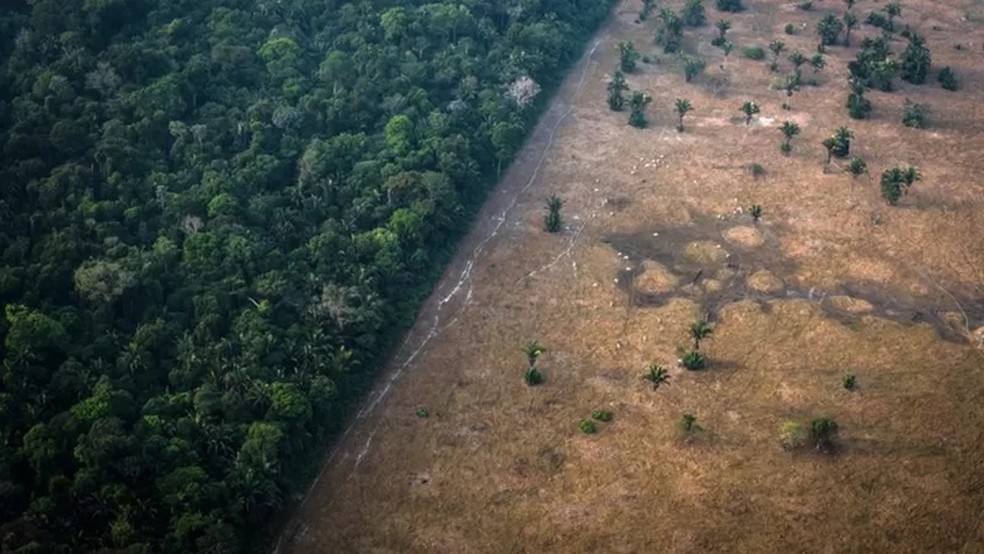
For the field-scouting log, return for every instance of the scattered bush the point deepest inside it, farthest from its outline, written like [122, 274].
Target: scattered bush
[829, 29]
[692, 66]
[914, 115]
[947, 78]
[756, 212]
[915, 61]
[689, 427]
[657, 375]
[842, 142]
[791, 435]
[552, 221]
[637, 103]
[616, 102]
[693, 360]
[422, 412]
[670, 33]
[730, 5]
[628, 56]
[532, 376]
[878, 19]
[756, 170]
[749, 108]
[857, 167]
[722, 26]
[895, 183]
[850, 381]
[756, 53]
[602, 415]
[858, 107]
[823, 430]
[587, 426]
[789, 29]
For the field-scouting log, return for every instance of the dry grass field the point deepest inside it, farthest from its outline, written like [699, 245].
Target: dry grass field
[831, 281]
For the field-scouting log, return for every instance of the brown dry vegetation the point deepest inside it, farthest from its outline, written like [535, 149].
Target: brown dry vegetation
[500, 467]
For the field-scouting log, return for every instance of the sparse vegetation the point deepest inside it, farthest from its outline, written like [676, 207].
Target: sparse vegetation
[683, 107]
[878, 19]
[647, 9]
[422, 411]
[915, 61]
[534, 349]
[693, 360]
[552, 221]
[637, 104]
[895, 183]
[749, 108]
[602, 415]
[756, 212]
[692, 66]
[532, 376]
[689, 427]
[656, 375]
[817, 62]
[789, 130]
[791, 435]
[789, 29]
[823, 430]
[914, 115]
[756, 53]
[776, 47]
[670, 32]
[842, 142]
[616, 102]
[700, 330]
[627, 56]
[756, 170]
[947, 79]
[587, 426]
[857, 167]
[850, 22]
[850, 381]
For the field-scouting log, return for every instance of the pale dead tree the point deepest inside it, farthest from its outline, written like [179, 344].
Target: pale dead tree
[336, 303]
[192, 224]
[103, 79]
[523, 90]
[102, 282]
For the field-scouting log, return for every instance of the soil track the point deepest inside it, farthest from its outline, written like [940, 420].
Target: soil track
[831, 281]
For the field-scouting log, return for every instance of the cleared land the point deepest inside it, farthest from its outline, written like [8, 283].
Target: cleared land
[831, 281]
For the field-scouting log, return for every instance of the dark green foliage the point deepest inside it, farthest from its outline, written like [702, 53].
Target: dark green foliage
[756, 212]
[895, 183]
[915, 61]
[587, 426]
[692, 66]
[534, 349]
[670, 32]
[647, 9]
[789, 29]
[857, 167]
[893, 10]
[628, 56]
[616, 102]
[756, 170]
[693, 360]
[722, 26]
[602, 415]
[749, 108]
[216, 219]
[733, 6]
[693, 13]
[683, 107]
[532, 376]
[700, 330]
[817, 62]
[850, 382]
[850, 22]
[637, 103]
[874, 67]
[823, 430]
[842, 142]
[756, 53]
[657, 375]
[422, 412]
[947, 78]
[689, 427]
[914, 115]
[776, 47]
[789, 130]
[858, 107]
[829, 29]
[552, 222]
[805, 6]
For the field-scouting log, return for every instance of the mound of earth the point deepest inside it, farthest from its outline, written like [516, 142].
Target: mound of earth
[765, 281]
[705, 251]
[743, 235]
[655, 279]
[850, 304]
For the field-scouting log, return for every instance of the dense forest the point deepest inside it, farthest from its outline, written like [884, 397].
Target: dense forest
[216, 217]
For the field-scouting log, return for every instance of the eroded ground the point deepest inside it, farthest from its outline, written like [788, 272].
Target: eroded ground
[830, 281]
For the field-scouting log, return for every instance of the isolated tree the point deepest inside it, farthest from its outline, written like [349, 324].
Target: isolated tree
[829, 144]
[533, 350]
[789, 130]
[749, 108]
[893, 9]
[947, 78]
[776, 46]
[857, 167]
[791, 435]
[895, 183]
[692, 66]
[823, 430]
[637, 103]
[552, 221]
[914, 115]
[850, 22]
[628, 56]
[756, 212]
[670, 32]
[682, 106]
[693, 13]
[723, 26]
[850, 381]
[842, 142]
[700, 330]
[656, 375]
[915, 61]
[797, 59]
[532, 376]
[727, 47]
[829, 29]
[616, 102]
[817, 62]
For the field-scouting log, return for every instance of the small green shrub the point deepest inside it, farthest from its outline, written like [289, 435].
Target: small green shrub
[789, 29]
[756, 170]
[552, 222]
[602, 415]
[422, 412]
[730, 5]
[805, 6]
[532, 376]
[791, 435]
[785, 148]
[587, 426]
[914, 115]
[753, 52]
[947, 78]
[689, 427]
[756, 212]
[693, 360]
[878, 19]
[850, 381]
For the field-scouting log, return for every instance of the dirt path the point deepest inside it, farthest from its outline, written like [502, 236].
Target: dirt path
[454, 291]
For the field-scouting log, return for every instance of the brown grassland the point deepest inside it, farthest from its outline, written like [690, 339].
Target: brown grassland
[831, 281]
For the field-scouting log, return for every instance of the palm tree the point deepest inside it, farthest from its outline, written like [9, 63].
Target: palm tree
[776, 46]
[700, 330]
[656, 375]
[552, 221]
[749, 108]
[798, 59]
[824, 429]
[615, 88]
[789, 130]
[842, 142]
[817, 62]
[627, 56]
[682, 107]
[723, 25]
[638, 102]
[756, 212]
[857, 167]
[533, 349]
